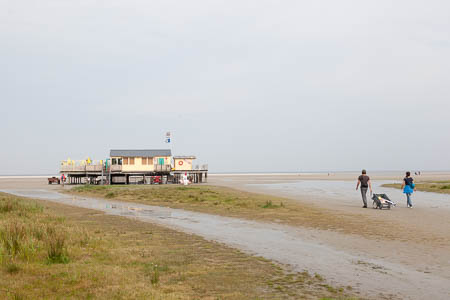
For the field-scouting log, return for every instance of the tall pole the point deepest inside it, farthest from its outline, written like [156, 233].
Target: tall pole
[169, 140]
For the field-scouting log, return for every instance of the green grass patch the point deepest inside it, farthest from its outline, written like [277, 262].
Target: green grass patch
[269, 204]
[110, 195]
[12, 268]
[177, 196]
[426, 186]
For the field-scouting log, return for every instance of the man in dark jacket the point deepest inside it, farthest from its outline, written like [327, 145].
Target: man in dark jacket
[365, 183]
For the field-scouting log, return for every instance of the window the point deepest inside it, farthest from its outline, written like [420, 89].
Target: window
[114, 161]
[150, 160]
[131, 160]
[144, 160]
[119, 161]
[125, 160]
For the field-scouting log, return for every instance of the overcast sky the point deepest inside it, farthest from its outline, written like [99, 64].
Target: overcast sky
[244, 85]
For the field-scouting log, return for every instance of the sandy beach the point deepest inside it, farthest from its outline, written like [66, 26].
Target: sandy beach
[413, 266]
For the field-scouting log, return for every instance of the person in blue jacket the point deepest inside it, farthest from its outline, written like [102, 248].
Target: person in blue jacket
[408, 187]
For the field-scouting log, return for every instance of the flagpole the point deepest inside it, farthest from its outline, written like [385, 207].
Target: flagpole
[169, 140]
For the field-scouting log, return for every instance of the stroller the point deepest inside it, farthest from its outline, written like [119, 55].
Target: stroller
[382, 201]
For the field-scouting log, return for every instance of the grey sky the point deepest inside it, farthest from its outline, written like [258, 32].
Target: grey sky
[244, 85]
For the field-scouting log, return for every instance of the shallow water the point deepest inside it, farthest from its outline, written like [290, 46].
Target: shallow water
[344, 192]
[288, 245]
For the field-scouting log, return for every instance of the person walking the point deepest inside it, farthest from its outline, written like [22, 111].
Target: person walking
[408, 187]
[365, 183]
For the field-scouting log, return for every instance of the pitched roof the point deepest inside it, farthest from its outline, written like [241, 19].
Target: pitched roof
[140, 153]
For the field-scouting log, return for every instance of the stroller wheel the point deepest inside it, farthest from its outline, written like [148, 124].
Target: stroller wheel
[374, 205]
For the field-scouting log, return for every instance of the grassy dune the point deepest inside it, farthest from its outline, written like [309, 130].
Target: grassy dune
[52, 251]
[442, 187]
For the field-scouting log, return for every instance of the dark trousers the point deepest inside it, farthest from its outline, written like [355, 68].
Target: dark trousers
[364, 195]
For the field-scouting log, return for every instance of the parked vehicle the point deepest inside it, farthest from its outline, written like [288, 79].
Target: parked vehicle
[54, 180]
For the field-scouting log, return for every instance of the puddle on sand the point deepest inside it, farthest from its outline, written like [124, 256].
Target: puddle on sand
[288, 245]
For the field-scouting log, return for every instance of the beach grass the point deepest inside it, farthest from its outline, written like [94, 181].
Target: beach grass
[442, 187]
[53, 251]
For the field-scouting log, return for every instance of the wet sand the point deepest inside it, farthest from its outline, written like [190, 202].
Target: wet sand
[431, 212]
[429, 220]
[407, 270]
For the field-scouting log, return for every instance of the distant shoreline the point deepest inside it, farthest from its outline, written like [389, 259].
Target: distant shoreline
[24, 176]
[377, 172]
[305, 173]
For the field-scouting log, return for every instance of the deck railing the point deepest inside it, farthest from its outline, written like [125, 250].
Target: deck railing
[163, 168]
[82, 168]
[94, 168]
[116, 168]
[71, 168]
